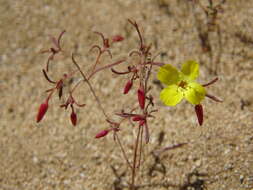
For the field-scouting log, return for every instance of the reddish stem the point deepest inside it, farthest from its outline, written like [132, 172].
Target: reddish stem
[46, 76]
[134, 159]
[97, 60]
[123, 151]
[213, 98]
[120, 73]
[138, 31]
[159, 64]
[105, 67]
[91, 88]
[211, 82]
[141, 145]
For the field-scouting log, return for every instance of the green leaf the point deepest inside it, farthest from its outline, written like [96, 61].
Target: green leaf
[195, 93]
[171, 96]
[191, 69]
[168, 74]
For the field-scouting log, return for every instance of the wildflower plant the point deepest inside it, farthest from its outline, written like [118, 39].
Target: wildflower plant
[179, 85]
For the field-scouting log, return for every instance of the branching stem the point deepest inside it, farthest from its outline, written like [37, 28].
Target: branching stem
[91, 88]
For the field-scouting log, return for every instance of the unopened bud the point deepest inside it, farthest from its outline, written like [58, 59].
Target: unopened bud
[128, 86]
[137, 118]
[42, 111]
[141, 97]
[102, 134]
[199, 113]
[73, 118]
[117, 38]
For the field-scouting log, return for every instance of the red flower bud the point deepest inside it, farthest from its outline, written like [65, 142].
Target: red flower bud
[199, 113]
[42, 111]
[137, 118]
[102, 134]
[117, 38]
[141, 97]
[73, 118]
[128, 86]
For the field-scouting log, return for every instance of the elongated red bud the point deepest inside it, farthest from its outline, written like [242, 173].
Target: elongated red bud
[117, 38]
[102, 133]
[42, 111]
[137, 118]
[73, 118]
[128, 86]
[141, 97]
[199, 113]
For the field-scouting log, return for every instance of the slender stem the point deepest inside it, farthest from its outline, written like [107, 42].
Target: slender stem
[105, 67]
[46, 76]
[211, 82]
[138, 31]
[59, 39]
[97, 60]
[141, 145]
[159, 64]
[97, 70]
[213, 98]
[76, 85]
[123, 151]
[135, 158]
[147, 77]
[91, 88]
[50, 95]
[220, 50]
[120, 73]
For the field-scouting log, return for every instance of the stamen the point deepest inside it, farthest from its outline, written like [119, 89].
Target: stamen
[183, 84]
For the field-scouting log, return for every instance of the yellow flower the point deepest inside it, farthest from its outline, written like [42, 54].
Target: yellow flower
[181, 84]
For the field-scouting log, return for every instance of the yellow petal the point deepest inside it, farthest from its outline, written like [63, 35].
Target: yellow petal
[195, 93]
[191, 69]
[171, 96]
[168, 74]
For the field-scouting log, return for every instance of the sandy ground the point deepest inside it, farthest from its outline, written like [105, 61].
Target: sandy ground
[54, 155]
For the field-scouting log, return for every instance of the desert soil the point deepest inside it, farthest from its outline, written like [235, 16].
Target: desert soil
[54, 155]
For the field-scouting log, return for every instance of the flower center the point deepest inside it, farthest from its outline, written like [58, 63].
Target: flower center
[183, 84]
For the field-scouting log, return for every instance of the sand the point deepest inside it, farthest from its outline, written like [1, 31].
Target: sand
[55, 155]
